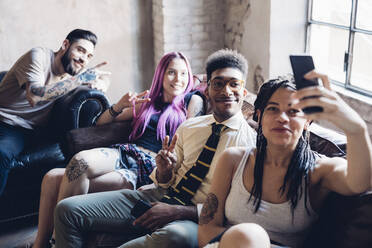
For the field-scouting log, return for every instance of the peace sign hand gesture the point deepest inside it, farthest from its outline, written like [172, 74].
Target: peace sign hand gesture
[95, 78]
[132, 98]
[166, 160]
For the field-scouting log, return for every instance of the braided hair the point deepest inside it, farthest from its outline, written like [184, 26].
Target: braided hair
[303, 158]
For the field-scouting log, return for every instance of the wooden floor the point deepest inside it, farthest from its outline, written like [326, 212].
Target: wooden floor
[18, 234]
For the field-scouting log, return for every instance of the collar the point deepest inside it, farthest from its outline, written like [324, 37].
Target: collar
[233, 122]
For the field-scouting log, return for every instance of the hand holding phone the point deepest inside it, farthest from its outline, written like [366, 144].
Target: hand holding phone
[302, 64]
[140, 208]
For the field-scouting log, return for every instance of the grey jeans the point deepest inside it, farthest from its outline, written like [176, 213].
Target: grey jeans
[110, 212]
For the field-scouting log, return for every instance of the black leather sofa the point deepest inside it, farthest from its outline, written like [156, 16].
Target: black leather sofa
[78, 108]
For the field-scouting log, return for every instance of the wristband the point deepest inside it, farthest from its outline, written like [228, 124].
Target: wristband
[112, 112]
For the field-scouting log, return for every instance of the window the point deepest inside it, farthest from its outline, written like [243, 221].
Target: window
[339, 37]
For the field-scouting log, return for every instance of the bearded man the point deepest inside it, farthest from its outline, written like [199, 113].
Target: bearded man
[29, 88]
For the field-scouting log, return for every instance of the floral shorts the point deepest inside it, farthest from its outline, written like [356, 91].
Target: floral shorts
[135, 164]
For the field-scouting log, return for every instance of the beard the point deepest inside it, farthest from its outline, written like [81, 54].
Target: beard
[67, 64]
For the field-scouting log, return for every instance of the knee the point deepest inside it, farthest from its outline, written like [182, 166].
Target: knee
[246, 235]
[177, 235]
[78, 165]
[52, 179]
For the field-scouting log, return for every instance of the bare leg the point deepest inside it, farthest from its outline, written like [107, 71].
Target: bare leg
[104, 178]
[244, 236]
[85, 166]
[48, 201]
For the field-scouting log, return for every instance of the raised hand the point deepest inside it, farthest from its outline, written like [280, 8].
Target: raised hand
[93, 73]
[132, 98]
[335, 109]
[95, 78]
[166, 159]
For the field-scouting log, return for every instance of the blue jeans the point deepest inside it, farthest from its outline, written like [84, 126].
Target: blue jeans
[12, 142]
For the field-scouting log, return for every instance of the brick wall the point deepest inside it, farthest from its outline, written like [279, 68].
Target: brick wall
[194, 27]
[198, 27]
[236, 14]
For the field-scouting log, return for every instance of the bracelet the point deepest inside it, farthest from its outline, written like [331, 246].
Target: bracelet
[112, 112]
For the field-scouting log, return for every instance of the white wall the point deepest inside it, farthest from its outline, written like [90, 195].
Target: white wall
[256, 39]
[124, 31]
[287, 34]
[273, 30]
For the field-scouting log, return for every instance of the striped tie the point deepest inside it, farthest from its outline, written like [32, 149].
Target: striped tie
[190, 182]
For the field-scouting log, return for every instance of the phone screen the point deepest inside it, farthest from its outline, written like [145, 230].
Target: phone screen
[302, 64]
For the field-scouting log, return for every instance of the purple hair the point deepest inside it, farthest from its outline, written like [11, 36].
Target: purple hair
[174, 114]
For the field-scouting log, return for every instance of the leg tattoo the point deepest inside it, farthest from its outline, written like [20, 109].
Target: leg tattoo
[76, 168]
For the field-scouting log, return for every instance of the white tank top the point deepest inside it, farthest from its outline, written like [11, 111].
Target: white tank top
[276, 219]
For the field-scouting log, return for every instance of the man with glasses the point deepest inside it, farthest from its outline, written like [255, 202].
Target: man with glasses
[183, 175]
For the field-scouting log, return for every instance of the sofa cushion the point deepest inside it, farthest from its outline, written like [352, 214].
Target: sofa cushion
[326, 141]
[97, 136]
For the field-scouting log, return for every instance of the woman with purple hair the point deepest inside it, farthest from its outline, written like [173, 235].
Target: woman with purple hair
[155, 114]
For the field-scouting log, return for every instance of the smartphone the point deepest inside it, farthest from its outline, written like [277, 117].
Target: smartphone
[302, 64]
[140, 208]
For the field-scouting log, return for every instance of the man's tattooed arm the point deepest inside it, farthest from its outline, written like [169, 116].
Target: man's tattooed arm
[209, 209]
[41, 94]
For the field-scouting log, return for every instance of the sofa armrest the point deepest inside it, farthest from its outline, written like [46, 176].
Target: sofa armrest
[78, 108]
[2, 74]
[344, 221]
[326, 141]
[97, 136]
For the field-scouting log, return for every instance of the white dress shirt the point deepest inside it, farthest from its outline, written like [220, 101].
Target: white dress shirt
[192, 136]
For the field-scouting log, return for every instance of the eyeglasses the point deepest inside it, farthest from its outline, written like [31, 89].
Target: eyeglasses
[219, 84]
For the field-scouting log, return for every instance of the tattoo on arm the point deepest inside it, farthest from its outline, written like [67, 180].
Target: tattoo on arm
[53, 91]
[76, 168]
[58, 89]
[209, 209]
[38, 90]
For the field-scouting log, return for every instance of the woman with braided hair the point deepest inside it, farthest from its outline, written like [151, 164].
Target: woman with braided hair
[270, 195]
